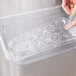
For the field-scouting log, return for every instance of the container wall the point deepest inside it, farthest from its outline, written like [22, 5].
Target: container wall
[4, 65]
[61, 65]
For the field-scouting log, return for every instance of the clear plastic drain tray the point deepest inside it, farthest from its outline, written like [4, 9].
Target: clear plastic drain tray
[29, 36]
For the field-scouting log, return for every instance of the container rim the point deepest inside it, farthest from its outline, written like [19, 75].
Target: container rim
[29, 12]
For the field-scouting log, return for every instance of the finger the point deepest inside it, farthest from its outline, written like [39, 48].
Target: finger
[66, 7]
[74, 11]
[64, 2]
[72, 24]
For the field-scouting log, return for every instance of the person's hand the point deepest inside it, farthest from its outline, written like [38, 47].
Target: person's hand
[69, 7]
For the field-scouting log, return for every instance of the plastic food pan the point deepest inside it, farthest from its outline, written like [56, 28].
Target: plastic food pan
[36, 35]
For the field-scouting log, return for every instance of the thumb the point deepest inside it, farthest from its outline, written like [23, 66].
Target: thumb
[72, 24]
[74, 11]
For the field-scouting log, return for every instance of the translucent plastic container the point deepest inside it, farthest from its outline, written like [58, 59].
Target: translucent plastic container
[36, 44]
[36, 35]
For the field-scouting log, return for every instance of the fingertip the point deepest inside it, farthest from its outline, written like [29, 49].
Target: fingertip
[68, 27]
